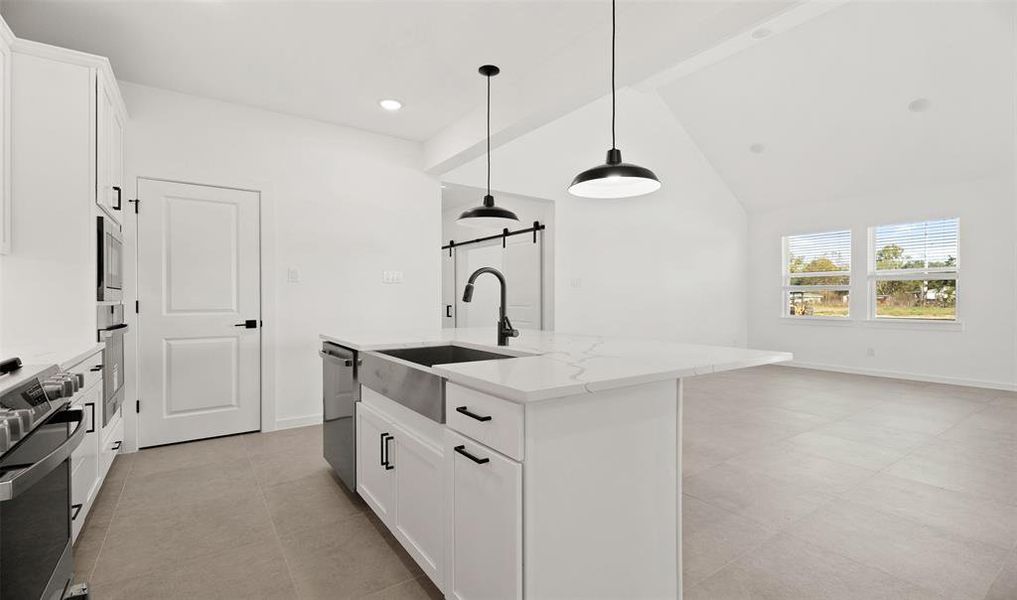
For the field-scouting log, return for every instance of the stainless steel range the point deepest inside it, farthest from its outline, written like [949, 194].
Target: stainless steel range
[38, 433]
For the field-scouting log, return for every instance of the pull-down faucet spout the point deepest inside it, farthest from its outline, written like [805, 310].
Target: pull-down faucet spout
[505, 330]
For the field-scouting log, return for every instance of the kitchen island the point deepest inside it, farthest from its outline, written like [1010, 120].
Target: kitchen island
[552, 471]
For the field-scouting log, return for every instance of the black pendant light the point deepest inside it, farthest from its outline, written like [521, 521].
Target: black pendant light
[489, 215]
[614, 178]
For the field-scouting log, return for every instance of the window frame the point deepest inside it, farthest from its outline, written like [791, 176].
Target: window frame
[875, 275]
[787, 287]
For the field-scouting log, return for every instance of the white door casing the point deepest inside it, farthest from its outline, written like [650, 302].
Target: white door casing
[198, 277]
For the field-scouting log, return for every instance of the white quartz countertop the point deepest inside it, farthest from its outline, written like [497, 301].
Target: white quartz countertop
[552, 365]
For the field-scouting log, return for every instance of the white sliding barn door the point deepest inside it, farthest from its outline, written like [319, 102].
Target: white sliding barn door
[198, 278]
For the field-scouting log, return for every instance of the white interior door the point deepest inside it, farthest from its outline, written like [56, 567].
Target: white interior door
[520, 262]
[198, 278]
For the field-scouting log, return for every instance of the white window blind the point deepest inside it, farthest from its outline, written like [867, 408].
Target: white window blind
[914, 269]
[916, 249]
[817, 274]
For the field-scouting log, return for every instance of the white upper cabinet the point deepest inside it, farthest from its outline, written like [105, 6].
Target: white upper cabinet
[109, 160]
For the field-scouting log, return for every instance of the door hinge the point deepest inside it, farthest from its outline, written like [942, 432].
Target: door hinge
[137, 406]
[137, 203]
[137, 307]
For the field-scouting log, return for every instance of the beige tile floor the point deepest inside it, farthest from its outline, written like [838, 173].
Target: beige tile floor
[799, 485]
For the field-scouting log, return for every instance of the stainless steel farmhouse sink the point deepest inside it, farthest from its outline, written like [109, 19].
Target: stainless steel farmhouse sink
[443, 355]
[387, 372]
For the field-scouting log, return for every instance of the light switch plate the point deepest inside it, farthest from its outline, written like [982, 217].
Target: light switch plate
[392, 277]
[292, 275]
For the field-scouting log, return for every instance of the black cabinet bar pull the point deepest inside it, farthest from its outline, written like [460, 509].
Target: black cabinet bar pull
[91, 419]
[479, 461]
[448, 310]
[388, 463]
[248, 324]
[76, 508]
[117, 445]
[117, 205]
[466, 411]
[96, 368]
[381, 449]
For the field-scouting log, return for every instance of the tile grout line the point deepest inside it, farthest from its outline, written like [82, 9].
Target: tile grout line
[389, 587]
[105, 535]
[271, 519]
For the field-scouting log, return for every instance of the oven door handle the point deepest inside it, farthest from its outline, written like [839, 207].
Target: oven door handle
[27, 477]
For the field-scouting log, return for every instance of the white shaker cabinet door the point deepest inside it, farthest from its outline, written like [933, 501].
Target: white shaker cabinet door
[375, 473]
[487, 496]
[419, 509]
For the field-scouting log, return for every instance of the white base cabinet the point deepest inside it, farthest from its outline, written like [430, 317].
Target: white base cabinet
[400, 476]
[85, 459]
[486, 522]
[92, 459]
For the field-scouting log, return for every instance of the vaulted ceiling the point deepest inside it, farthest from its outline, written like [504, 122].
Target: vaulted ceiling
[870, 96]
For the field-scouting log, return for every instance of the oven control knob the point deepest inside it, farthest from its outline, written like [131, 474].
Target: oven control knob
[12, 423]
[5, 435]
[27, 419]
[54, 388]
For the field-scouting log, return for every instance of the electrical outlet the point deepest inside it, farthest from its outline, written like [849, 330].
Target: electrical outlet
[292, 275]
[391, 276]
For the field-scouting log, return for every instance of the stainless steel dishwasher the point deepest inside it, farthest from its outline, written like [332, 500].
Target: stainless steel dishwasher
[341, 393]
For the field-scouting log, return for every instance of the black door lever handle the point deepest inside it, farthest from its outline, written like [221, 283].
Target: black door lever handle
[248, 324]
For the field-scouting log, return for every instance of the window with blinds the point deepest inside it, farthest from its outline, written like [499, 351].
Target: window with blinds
[817, 274]
[914, 269]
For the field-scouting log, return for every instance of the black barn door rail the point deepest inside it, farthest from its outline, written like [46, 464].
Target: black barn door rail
[505, 233]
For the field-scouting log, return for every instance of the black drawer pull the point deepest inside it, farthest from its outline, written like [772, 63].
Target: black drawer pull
[466, 411]
[479, 461]
[116, 446]
[117, 190]
[385, 440]
[96, 368]
[91, 419]
[76, 508]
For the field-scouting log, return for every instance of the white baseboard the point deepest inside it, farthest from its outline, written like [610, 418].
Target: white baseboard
[291, 422]
[992, 385]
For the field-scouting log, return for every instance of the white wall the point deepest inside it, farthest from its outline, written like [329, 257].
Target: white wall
[669, 265]
[980, 352]
[339, 204]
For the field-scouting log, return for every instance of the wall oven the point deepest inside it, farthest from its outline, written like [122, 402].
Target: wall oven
[110, 252]
[111, 331]
[38, 433]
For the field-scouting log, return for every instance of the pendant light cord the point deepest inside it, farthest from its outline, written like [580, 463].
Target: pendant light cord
[613, 35]
[488, 135]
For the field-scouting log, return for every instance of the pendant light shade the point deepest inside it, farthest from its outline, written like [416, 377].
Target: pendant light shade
[488, 215]
[614, 178]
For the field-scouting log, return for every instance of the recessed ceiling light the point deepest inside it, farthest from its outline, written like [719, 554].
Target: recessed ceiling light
[390, 105]
[919, 105]
[761, 33]
[757, 148]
